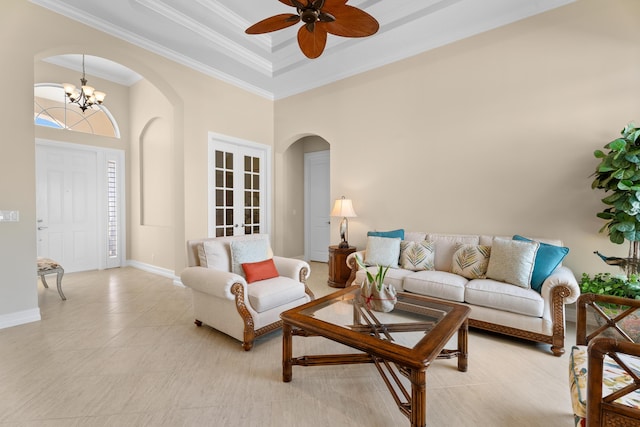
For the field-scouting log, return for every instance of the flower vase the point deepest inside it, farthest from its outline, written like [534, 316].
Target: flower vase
[383, 299]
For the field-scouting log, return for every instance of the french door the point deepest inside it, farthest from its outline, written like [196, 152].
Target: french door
[238, 183]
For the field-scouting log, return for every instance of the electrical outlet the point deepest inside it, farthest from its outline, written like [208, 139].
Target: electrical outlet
[9, 216]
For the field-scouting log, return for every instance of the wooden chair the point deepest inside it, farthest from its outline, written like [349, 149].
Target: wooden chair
[605, 364]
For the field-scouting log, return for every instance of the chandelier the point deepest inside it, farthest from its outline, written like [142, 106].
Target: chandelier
[86, 96]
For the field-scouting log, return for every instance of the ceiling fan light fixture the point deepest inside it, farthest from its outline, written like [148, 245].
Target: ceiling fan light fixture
[337, 19]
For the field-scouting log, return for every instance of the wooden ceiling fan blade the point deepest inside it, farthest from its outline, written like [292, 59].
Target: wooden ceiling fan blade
[312, 43]
[274, 23]
[287, 2]
[351, 22]
[334, 3]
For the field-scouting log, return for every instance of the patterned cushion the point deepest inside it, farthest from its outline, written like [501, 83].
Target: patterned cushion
[417, 256]
[46, 264]
[471, 261]
[614, 378]
[512, 261]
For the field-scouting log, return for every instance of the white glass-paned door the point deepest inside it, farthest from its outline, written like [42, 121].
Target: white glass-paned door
[238, 178]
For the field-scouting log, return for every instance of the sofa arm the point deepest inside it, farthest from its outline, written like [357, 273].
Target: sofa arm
[351, 260]
[210, 281]
[561, 276]
[295, 269]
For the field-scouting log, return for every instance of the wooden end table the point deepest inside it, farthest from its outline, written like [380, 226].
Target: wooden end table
[402, 342]
[339, 271]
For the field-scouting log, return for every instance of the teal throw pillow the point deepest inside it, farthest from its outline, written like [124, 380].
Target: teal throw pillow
[394, 234]
[547, 259]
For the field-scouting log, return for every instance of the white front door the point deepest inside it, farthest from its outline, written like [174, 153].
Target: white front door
[80, 205]
[66, 207]
[238, 181]
[317, 206]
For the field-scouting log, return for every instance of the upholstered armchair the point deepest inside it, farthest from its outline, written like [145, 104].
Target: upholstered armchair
[604, 371]
[240, 288]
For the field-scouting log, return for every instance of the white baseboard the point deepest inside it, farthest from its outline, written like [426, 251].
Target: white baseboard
[156, 270]
[20, 318]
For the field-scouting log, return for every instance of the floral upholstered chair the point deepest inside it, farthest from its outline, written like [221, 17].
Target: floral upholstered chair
[604, 371]
[240, 288]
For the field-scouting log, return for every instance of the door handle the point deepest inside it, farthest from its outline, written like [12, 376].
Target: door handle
[42, 228]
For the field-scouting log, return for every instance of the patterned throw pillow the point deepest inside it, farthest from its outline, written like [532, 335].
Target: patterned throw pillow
[471, 261]
[416, 256]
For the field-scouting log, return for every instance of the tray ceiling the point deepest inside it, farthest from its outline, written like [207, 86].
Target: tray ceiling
[208, 35]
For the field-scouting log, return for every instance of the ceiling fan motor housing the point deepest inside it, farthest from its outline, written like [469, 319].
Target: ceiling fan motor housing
[309, 15]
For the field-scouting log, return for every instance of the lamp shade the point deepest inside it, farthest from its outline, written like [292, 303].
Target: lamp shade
[343, 208]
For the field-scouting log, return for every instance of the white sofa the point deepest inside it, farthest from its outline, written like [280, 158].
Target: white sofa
[225, 301]
[496, 306]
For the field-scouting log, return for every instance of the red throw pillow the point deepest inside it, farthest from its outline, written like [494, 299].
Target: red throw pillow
[260, 270]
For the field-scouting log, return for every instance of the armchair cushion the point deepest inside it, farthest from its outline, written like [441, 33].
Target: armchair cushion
[245, 251]
[270, 293]
[260, 270]
[614, 378]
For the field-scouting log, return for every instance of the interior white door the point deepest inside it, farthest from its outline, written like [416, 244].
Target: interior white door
[317, 205]
[66, 208]
[238, 182]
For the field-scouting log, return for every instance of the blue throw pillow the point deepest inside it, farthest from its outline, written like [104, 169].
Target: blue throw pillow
[547, 259]
[393, 234]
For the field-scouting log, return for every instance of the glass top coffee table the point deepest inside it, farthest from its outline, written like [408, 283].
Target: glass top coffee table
[402, 342]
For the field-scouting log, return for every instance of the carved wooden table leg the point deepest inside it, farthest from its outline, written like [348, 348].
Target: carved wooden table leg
[463, 357]
[287, 353]
[418, 415]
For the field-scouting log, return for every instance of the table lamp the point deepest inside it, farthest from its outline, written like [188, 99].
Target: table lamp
[343, 208]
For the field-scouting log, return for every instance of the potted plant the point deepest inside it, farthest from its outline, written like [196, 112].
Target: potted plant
[617, 285]
[618, 174]
[375, 293]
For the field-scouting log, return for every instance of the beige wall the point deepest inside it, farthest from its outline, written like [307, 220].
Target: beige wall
[493, 134]
[195, 103]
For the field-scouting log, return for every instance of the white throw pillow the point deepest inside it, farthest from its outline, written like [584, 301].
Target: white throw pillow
[243, 251]
[417, 256]
[512, 261]
[215, 254]
[384, 251]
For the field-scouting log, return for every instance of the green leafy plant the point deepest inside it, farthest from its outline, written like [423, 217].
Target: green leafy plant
[608, 284]
[378, 279]
[619, 175]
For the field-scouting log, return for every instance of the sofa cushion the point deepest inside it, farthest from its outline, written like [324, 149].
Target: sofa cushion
[438, 284]
[395, 276]
[471, 261]
[270, 293]
[245, 251]
[512, 261]
[504, 296]
[614, 378]
[260, 270]
[416, 256]
[446, 246]
[547, 259]
[382, 251]
[393, 233]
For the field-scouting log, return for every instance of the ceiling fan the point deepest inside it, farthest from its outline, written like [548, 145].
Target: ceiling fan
[320, 17]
